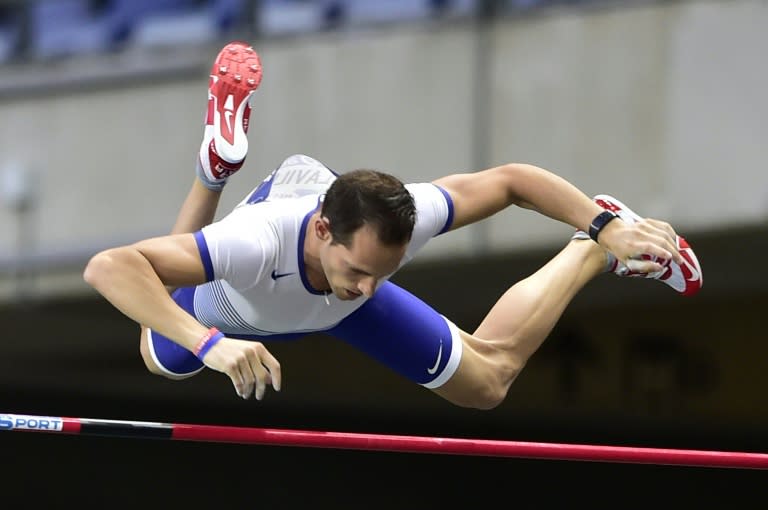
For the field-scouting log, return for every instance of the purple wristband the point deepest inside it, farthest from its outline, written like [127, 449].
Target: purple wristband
[207, 342]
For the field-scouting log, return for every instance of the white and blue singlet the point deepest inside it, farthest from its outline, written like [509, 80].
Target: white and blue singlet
[257, 288]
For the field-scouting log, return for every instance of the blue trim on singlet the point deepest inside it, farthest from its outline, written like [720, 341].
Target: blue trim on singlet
[300, 254]
[205, 256]
[449, 220]
[262, 190]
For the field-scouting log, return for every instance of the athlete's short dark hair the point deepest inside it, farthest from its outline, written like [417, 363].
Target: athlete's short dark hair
[369, 197]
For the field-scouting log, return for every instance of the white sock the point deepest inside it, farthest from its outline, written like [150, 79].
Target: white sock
[211, 185]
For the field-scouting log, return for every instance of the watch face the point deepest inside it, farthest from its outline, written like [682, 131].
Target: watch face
[600, 221]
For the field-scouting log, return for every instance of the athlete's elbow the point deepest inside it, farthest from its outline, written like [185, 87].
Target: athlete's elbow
[513, 178]
[521, 180]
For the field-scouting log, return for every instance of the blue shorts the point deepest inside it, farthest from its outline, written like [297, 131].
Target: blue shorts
[394, 327]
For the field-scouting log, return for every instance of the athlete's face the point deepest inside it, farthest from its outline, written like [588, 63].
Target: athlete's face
[358, 270]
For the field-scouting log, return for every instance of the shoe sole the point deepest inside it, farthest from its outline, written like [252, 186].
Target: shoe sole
[235, 75]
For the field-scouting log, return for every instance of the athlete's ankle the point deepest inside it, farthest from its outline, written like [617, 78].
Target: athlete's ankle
[603, 258]
[217, 185]
[610, 262]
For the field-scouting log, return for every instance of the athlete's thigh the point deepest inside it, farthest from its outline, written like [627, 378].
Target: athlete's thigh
[404, 333]
[165, 356]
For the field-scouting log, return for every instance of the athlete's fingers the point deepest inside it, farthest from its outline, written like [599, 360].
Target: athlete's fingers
[664, 226]
[261, 385]
[650, 239]
[668, 238]
[262, 378]
[237, 380]
[657, 248]
[273, 366]
[643, 265]
[250, 377]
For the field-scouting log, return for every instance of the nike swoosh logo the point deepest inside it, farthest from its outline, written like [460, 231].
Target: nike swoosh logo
[691, 268]
[229, 106]
[228, 118]
[276, 275]
[432, 370]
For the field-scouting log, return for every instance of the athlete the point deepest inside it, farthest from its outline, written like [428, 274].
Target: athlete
[312, 250]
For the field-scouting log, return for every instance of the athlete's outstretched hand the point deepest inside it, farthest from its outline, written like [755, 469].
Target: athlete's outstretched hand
[630, 241]
[248, 364]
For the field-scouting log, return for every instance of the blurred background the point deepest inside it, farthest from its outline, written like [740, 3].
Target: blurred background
[660, 103]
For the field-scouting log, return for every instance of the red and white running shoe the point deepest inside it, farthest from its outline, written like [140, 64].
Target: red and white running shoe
[685, 278]
[235, 76]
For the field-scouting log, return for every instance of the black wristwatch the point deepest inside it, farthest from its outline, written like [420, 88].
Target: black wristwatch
[599, 223]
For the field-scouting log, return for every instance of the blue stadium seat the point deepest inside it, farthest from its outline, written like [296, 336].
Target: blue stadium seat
[229, 14]
[456, 8]
[125, 15]
[66, 27]
[195, 26]
[362, 12]
[526, 4]
[284, 17]
[10, 35]
[202, 21]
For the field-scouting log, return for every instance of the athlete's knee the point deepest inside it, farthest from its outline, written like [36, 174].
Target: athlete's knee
[490, 398]
[146, 355]
[496, 389]
[487, 374]
[483, 396]
[149, 360]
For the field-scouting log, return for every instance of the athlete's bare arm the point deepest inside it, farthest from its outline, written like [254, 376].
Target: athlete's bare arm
[478, 195]
[133, 278]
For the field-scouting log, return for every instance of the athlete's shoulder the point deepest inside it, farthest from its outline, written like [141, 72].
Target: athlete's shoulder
[434, 208]
[427, 192]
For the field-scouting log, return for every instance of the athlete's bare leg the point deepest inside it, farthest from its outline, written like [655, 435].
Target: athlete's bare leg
[518, 324]
[197, 210]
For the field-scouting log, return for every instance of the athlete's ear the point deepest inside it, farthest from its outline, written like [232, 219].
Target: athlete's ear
[322, 228]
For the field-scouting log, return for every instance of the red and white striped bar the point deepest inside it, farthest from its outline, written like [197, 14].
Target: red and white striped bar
[383, 442]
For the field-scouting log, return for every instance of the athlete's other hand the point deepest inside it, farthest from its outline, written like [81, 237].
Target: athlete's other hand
[248, 364]
[629, 242]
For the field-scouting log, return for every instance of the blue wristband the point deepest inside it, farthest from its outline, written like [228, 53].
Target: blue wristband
[207, 342]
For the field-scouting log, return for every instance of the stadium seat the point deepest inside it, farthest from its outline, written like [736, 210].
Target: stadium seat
[282, 17]
[66, 27]
[10, 31]
[363, 12]
[126, 15]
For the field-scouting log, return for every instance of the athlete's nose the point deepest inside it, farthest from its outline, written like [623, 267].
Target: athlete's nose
[367, 286]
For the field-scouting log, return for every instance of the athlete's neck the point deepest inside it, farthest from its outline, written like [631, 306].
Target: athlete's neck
[312, 266]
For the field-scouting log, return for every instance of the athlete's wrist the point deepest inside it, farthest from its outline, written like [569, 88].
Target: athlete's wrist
[599, 223]
[206, 343]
